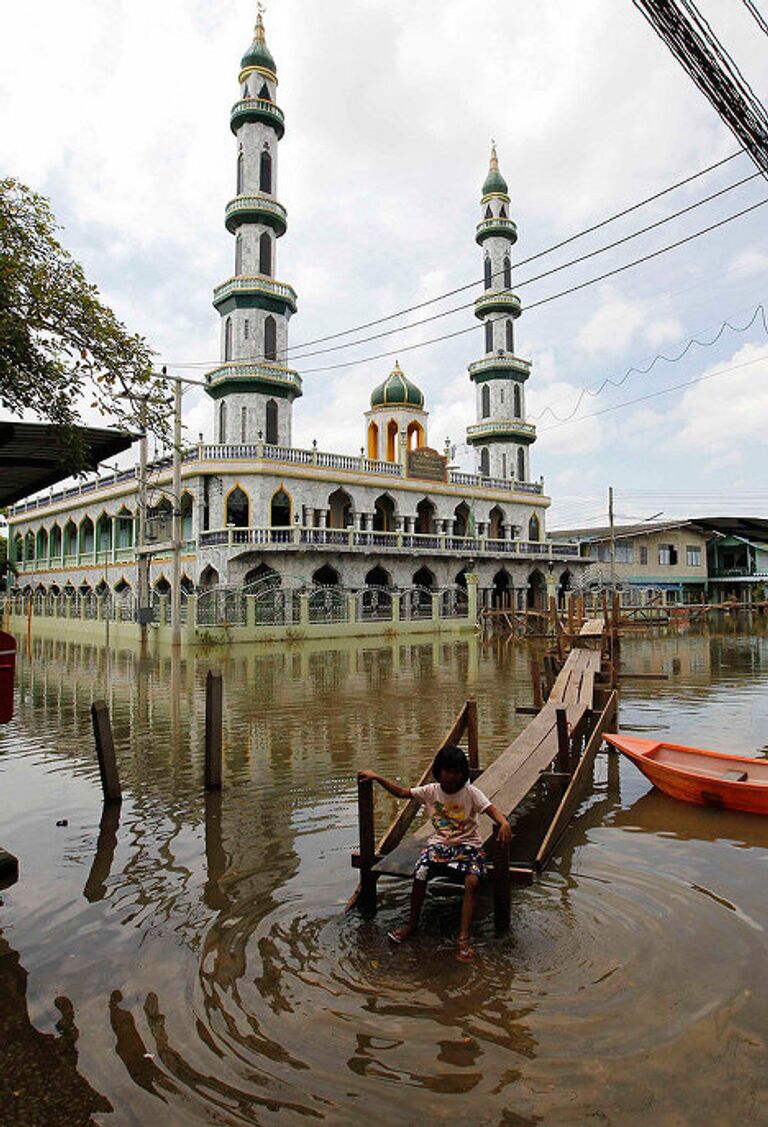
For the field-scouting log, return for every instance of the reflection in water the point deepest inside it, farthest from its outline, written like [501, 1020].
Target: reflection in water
[39, 1077]
[200, 939]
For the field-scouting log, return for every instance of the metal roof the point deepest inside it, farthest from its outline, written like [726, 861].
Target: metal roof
[32, 455]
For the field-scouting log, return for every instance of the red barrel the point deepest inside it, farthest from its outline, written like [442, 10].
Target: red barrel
[7, 669]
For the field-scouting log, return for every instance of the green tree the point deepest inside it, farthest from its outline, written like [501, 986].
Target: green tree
[60, 346]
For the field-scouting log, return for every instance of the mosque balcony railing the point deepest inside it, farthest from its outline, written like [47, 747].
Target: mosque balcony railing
[498, 301]
[298, 537]
[478, 481]
[235, 371]
[498, 225]
[258, 284]
[257, 109]
[516, 367]
[244, 209]
[502, 426]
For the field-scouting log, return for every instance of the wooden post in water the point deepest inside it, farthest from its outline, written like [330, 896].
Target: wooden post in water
[536, 680]
[472, 737]
[105, 752]
[502, 899]
[367, 899]
[563, 739]
[213, 722]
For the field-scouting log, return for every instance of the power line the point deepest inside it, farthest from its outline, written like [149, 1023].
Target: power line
[655, 394]
[288, 355]
[759, 312]
[532, 258]
[758, 17]
[545, 300]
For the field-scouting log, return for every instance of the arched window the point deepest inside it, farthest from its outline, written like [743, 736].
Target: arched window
[489, 336]
[280, 509]
[41, 550]
[414, 435]
[237, 508]
[245, 93]
[228, 339]
[265, 172]
[518, 403]
[534, 528]
[243, 423]
[488, 272]
[485, 401]
[488, 212]
[504, 465]
[485, 462]
[222, 421]
[373, 441]
[325, 576]
[507, 272]
[510, 335]
[55, 542]
[265, 253]
[271, 427]
[270, 338]
[393, 435]
[264, 92]
[521, 471]
[186, 516]
[239, 254]
[503, 211]
[461, 519]
[240, 173]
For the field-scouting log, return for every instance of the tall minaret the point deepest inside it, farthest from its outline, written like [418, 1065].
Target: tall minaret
[501, 436]
[254, 392]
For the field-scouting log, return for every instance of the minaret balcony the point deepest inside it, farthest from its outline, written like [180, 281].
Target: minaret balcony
[254, 291]
[256, 209]
[501, 430]
[497, 227]
[257, 109]
[500, 368]
[497, 301]
[261, 376]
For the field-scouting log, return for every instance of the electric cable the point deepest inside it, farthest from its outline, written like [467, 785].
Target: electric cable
[288, 354]
[760, 20]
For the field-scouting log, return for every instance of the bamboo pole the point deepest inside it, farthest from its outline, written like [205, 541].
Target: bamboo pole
[105, 752]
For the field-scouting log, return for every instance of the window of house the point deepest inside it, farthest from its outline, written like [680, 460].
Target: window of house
[265, 253]
[643, 553]
[510, 337]
[488, 273]
[243, 423]
[693, 555]
[520, 464]
[265, 173]
[507, 272]
[485, 401]
[270, 338]
[667, 554]
[485, 462]
[489, 336]
[624, 553]
[518, 402]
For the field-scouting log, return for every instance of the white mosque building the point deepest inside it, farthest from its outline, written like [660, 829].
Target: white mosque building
[255, 507]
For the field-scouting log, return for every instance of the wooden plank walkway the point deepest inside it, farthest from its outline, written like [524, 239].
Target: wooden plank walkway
[509, 780]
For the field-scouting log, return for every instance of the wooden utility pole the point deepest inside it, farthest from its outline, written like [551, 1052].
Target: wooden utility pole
[177, 528]
[143, 558]
[613, 537]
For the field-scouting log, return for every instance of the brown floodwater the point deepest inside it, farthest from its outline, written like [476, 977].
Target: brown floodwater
[190, 961]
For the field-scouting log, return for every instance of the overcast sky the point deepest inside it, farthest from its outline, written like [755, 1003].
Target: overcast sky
[118, 111]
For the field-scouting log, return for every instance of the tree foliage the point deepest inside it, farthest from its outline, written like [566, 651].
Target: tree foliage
[61, 348]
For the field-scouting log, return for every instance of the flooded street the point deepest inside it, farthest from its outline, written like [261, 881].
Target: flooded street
[189, 961]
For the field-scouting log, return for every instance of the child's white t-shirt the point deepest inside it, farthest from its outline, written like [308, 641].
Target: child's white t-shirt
[454, 816]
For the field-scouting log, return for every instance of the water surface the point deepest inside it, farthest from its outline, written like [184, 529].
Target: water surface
[189, 962]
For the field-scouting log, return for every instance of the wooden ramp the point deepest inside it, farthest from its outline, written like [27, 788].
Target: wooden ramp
[539, 778]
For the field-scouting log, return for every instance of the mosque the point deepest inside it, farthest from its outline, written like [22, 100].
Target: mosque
[256, 508]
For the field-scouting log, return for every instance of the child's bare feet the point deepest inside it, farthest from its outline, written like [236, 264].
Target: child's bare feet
[466, 952]
[400, 934]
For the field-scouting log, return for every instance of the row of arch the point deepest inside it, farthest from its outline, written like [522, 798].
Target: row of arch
[100, 536]
[340, 514]
[269, 337]
[485, 467]
[509, 334]
[271, 432]
[517, 401]
[265, 254]
[414, 437]
[506, 270]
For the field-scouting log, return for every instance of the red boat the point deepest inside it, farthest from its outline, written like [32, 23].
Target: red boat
[711, 778]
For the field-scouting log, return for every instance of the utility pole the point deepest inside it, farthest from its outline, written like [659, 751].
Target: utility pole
[613, 537]
[142, 545]
[177, 528]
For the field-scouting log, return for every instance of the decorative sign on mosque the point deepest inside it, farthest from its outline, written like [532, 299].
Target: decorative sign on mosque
[427, 464]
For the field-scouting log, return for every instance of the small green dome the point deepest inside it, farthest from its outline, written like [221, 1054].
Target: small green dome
[258, 54]
[494, 181]
[397, 390]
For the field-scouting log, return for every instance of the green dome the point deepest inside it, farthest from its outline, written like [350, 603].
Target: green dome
[397, 391]
[494, 181]
[258, 54]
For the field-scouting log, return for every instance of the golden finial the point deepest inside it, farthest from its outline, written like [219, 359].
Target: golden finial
[494, 164]
[397, 370]
[259, 29]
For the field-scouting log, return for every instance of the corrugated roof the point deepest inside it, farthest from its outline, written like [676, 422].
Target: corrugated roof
[32, 456]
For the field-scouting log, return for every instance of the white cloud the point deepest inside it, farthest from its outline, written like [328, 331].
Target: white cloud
[612, 327]
[717, 415]
[752, 261]
[663, 331]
